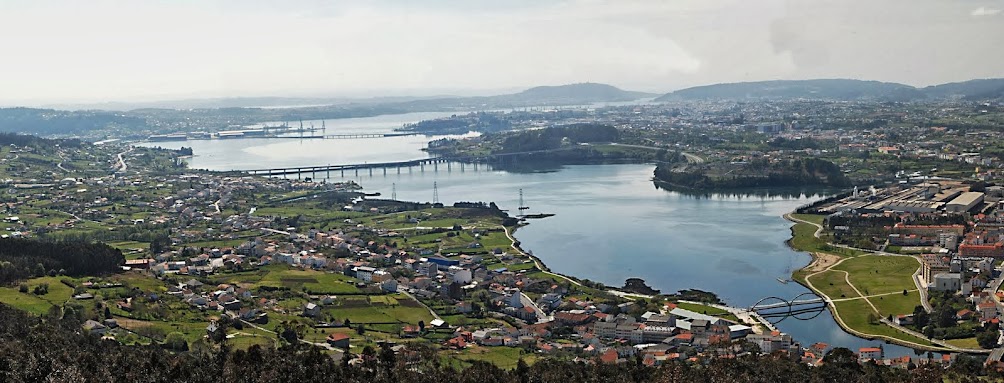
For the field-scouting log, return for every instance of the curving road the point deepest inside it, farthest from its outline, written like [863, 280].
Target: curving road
[691, 158]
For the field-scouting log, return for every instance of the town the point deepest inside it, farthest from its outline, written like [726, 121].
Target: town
[214, 258]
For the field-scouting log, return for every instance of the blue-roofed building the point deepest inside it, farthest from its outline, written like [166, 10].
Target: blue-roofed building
[443, 261]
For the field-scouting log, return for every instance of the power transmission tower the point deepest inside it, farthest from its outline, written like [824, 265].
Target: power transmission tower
[435, 193]
[393, 191]
[522, 206]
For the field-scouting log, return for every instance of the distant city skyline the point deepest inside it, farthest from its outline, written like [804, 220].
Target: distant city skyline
[62, 51]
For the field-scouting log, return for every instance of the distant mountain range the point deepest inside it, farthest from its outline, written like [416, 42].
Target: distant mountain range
[571, 94]
[841, 89]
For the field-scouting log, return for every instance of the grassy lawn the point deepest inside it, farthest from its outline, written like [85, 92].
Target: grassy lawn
[832, 284]
[380, 314]
[964, 343]
[503, 357]
[804, 239]
[814, 218]
[855, 314]
[896, 304]
[317, 282]
[708, 310]
[37, 304]
[874, 274]
[26, 302]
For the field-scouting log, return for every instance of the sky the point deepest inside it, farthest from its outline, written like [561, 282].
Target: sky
[142, 50]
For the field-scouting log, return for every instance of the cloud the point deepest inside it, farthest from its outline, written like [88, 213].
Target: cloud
[984, 11]
[67, 50]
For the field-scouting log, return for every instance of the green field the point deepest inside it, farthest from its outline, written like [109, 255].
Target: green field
[27, 302]
[317, 282]
[804, 239]
[856, 313]
[875, 274]
[814, 218]
[964, 343]
[503, 357]
[833, 284]
[896, 304]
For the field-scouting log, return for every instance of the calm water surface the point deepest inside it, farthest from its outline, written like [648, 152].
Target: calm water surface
[611, 222]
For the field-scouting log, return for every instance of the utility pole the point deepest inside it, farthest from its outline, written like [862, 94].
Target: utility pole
[522, 206]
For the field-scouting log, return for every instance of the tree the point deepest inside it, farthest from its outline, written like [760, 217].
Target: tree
[987, 339]
[23, 288]
[360, 329]
[176, 341]
[920, 317]
[421, 325]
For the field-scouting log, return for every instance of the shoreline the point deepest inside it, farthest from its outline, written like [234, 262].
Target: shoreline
[540, 265]
[831, 307]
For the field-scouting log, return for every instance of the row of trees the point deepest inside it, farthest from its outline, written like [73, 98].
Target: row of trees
[556, 137]
[21, 259]
[791, 173]
[82, 357]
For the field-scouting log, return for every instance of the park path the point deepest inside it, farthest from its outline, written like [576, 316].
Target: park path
[836, 314]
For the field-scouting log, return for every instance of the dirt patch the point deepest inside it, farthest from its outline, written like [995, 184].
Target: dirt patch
[821, 261]
[132, 324]
[409, 303]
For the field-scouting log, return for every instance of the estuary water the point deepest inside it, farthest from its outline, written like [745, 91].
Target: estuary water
[611, 223]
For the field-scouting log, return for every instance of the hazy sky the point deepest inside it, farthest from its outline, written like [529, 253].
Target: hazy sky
[95, 50]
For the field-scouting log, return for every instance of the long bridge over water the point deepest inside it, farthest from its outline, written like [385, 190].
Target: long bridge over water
[435, 162]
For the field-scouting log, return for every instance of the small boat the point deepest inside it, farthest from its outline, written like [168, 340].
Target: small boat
[537, 216]
[784, 281]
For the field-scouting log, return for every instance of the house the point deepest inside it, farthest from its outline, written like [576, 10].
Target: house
[365, 273]
[457, 343]
[870, 353]
[609, 357]
[903, 319]
[389, 286]
[410, 331]
[987, 310]
[964, 314]
[95, 327]
[311, 310]
[340, 340]
[464, 307]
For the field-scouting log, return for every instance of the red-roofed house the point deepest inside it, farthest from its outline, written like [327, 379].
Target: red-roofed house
[869, 353]
[609, 357]
[339, 340]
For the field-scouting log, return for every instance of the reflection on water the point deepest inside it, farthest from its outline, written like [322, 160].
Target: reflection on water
[611, 222]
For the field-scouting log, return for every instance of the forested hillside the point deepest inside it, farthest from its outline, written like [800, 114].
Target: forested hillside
[53, 349]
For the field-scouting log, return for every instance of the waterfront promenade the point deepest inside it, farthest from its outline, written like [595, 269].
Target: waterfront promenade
[938, 345]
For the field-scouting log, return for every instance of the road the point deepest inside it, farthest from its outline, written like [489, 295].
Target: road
[431, 311]
[536, 262]
[324, 344]
[747, 316]
[692, 158]
[122, 163]
[527, 302]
